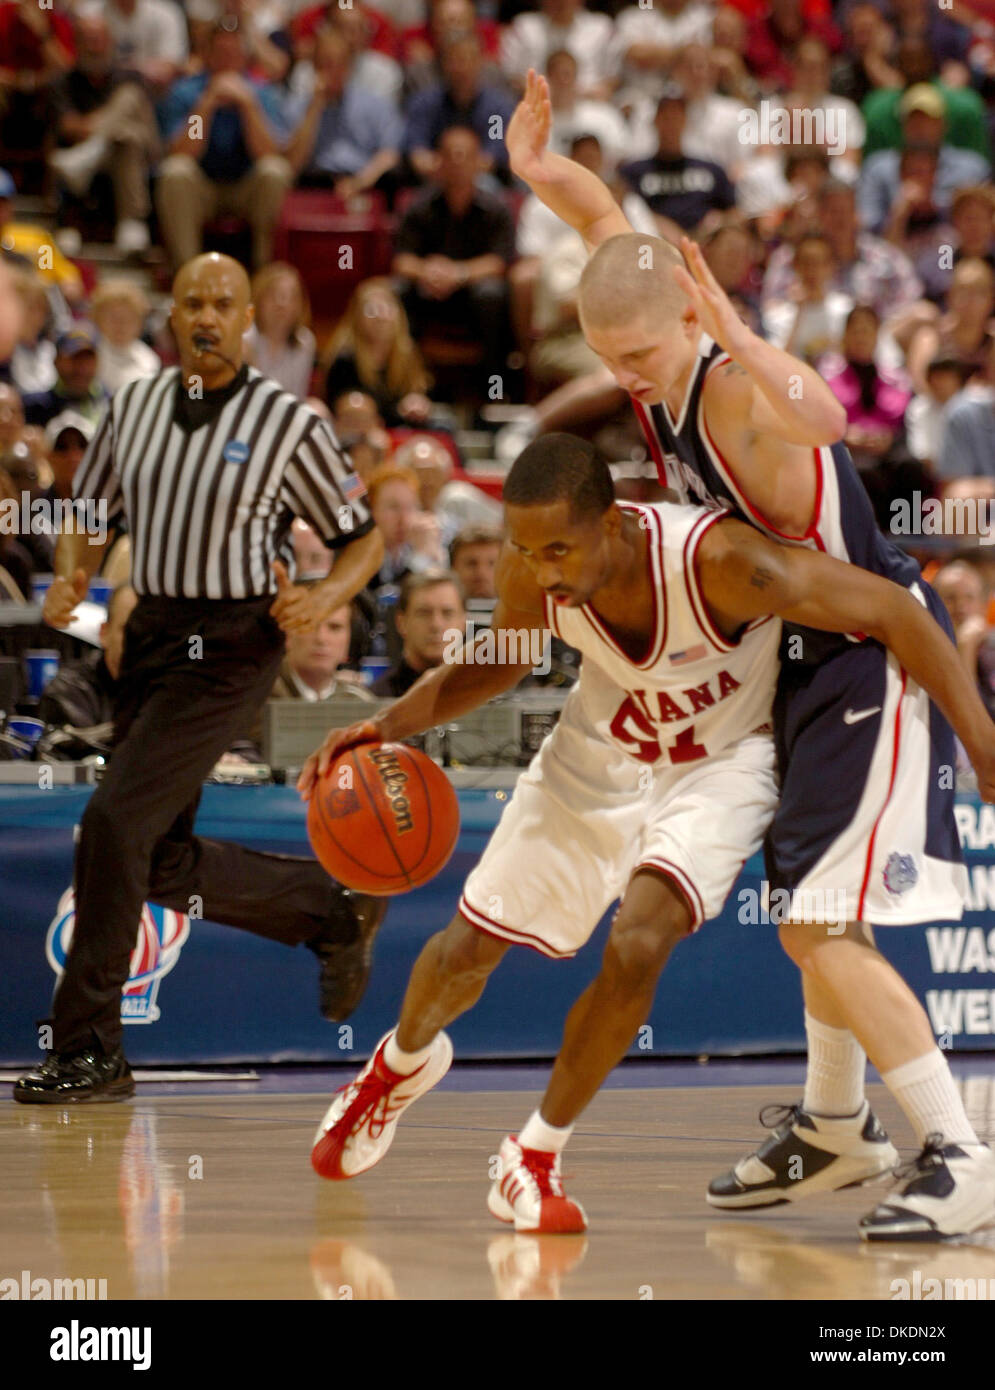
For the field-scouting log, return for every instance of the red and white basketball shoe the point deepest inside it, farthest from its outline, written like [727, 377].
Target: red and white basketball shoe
[528, 1191]
[359, 1125]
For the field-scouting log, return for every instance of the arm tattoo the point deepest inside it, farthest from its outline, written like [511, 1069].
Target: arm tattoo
[760, 577]
[734, 369]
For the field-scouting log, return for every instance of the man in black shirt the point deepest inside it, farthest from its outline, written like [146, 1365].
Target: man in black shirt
[454, 247]
[430, 610]
[676, 187]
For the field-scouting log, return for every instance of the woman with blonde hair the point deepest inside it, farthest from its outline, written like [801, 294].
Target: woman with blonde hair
[372, 350]
[119, 308]
[280, 342]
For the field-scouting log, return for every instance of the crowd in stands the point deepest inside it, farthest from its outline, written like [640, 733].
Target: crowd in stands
[832, 157]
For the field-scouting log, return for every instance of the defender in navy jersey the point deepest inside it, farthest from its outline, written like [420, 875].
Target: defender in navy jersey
[866, 763]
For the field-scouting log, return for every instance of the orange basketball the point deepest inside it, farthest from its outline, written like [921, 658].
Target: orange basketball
[383, 819]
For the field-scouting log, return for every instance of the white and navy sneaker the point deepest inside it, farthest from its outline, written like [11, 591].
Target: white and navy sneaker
[946, 1190]
[805, 1155]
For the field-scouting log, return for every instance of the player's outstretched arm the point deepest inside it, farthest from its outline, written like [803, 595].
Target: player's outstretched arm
[743, 576]
[571, 191]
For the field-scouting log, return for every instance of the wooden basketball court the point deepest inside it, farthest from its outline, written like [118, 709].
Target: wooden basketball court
[212, 1196]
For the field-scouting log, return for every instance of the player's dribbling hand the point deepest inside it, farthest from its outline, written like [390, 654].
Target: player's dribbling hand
[528, 130]
[62, 598]
[335, 743]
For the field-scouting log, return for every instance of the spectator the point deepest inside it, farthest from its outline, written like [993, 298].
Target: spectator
[533, 36]
[680, 190]
[453, 502]
[972, 213]
[66, 438]
[11, 417]
[713, 123]
[461, 100]
[15, 559]
[453, 249]
[575, 116]
[811, 92]
[355, 412]
[728, 53]
[865, 63]
[734, 255]
[429, 608]
[107, 121]
[422, 45]
[945, 376]
[372, 70]
[372, 350]
[345, 136]
[312, 558]
[32, 365]
[965, 330]
[83, 693]
[473, 555]
[76, 385]
[150, 39]
[267, 46]
[812, 321]
[893, 114]
[647, 39]
[120, 308]
[35, 245]
[36, 45]
[946, 37]
[881, 174]
[410, 536]
[962, 589]
[774, 38]
[306, 24]
[223, 134]
[967, 444]
[560, 352]
[280, 342]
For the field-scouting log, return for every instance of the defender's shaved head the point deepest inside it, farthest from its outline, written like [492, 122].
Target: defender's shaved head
[629, 275]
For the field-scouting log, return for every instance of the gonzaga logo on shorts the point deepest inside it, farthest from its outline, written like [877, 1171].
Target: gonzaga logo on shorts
[161, 934]
[900, 873]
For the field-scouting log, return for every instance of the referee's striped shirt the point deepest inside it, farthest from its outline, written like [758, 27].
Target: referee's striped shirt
[210, 508]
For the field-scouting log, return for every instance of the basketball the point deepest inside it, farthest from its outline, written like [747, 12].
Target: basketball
[384, 819]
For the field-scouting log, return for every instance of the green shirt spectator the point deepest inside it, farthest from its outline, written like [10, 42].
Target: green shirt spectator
[886, 110]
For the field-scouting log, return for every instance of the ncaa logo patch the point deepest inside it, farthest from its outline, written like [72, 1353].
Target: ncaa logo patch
[900, 873]
[235, 451]
[161, 934]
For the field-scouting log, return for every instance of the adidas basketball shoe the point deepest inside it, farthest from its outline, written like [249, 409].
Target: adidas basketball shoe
[529, 1192]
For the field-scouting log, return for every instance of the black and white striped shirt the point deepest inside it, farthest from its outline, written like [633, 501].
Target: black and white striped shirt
[209, 506]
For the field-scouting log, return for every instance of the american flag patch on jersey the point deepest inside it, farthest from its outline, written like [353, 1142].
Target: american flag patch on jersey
[685, 657]
[352, 487]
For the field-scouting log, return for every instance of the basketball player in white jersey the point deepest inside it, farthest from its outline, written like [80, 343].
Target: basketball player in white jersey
[865, 762]
[657, 783]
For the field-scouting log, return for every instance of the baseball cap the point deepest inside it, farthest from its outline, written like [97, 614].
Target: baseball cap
[923, 96]
[67, 420]
[82, 337]
[8, 188]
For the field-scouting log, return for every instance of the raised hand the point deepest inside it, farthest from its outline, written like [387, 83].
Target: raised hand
[528, 130]
[712, 305]
[335, 743]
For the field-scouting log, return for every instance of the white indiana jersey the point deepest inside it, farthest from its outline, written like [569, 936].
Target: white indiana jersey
[694, 693]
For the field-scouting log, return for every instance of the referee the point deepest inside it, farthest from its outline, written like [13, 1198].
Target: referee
[208, 463]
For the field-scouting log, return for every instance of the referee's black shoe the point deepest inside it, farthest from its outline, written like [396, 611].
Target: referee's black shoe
[73, 1078]
[345, 964]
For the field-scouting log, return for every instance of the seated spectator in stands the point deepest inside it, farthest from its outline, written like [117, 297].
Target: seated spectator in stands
[728, 53]
[875, 400]
[773, 39]
[344, 136]
[228, 160]
[453, 249]
[713, 123]
[410, 536]
[120, 308]
[150, 38]
[473, 554]
[76, 385]
[36, 45]
[647, 39]
[962, 589]
[812, 321]
[734, 256]
[867, 268]
[463, 100]
[924, 418]
[372, 350]
[913, 108]
[967, 444]
[452, 501]
[355, 412]
[421, 45]
[883, 174]
[965, 331]
[575, 116]
[811, 92]
[280, 342]
[12, 420]
[83, 693]
[972, 213]
[559, 351]
[312, 558]
[429, 608]
[35, 244]
[106, 119]
[865, 62]
[679, 190]
[32, 365]
[946, 37]
[66, 438]
[369, 69]
[532, 36]
[307, 22]
[15, 559]
[267, 44]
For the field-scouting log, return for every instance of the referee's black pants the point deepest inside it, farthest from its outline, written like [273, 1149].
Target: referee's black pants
[193, 675]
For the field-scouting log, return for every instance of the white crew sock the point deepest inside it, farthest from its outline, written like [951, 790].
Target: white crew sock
[834, 1082]
[927, 1092]
[537, 1134]
[404, 1063]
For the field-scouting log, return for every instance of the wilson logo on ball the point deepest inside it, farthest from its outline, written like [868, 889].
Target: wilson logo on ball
[394, 781]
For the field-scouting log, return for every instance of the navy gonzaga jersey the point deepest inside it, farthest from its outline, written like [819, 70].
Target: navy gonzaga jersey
[843, 525]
